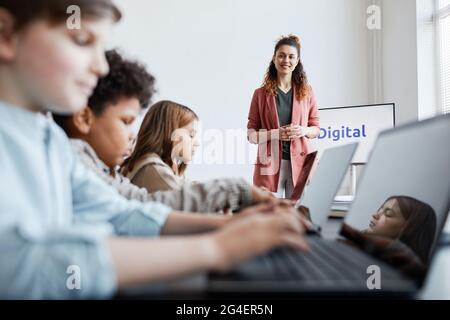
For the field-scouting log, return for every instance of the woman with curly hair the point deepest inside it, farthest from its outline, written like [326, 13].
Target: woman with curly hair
[283, 117]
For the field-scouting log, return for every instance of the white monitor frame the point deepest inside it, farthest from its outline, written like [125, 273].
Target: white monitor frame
[362, 144]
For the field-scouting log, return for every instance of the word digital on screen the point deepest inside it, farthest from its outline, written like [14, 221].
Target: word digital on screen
[342, 125]
[342, 133]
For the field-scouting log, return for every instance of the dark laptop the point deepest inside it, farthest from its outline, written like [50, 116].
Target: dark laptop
[307, 172]
[388, 239]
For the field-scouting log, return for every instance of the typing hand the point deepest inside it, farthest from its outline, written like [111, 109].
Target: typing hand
[257, 234]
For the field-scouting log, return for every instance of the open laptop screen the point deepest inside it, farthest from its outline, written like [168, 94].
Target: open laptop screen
[404, 193]
[325, 183]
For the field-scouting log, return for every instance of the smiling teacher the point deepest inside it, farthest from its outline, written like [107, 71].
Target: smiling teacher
[283, 117]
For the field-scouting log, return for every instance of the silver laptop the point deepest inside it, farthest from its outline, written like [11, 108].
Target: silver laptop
[320, 192]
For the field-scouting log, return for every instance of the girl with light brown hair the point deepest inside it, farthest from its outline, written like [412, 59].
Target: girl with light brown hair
[166, 143]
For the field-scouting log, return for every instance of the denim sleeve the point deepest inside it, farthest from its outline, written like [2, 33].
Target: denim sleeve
[55, 264]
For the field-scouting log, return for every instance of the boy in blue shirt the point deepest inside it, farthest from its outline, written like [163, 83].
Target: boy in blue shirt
[55, 215]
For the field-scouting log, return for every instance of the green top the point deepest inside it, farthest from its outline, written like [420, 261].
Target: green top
[284, 109]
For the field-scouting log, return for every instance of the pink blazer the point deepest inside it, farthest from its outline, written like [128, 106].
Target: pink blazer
[263, 115]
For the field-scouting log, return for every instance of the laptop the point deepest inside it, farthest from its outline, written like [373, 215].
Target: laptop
[406, 181]
[319, 194]
[309, 166]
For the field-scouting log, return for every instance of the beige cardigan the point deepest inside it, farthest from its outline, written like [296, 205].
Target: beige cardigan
[154, 175]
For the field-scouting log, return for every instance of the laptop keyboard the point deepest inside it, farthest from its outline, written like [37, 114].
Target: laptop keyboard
[326, 260]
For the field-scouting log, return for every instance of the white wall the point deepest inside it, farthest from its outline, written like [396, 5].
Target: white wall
[409, 58]
[427, 61]
[400, 75]
[211, 55]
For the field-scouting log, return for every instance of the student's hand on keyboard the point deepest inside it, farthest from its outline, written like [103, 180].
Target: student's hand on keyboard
[261, 194]
[256, 234]
[272, 207]
[265, 207]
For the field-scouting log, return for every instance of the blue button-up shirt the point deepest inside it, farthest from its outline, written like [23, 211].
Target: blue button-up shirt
[55, 214]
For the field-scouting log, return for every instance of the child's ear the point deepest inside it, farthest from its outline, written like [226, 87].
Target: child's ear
[82, 120]
[7, 39]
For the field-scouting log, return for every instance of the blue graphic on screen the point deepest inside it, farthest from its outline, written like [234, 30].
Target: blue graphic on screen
[344, 132]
